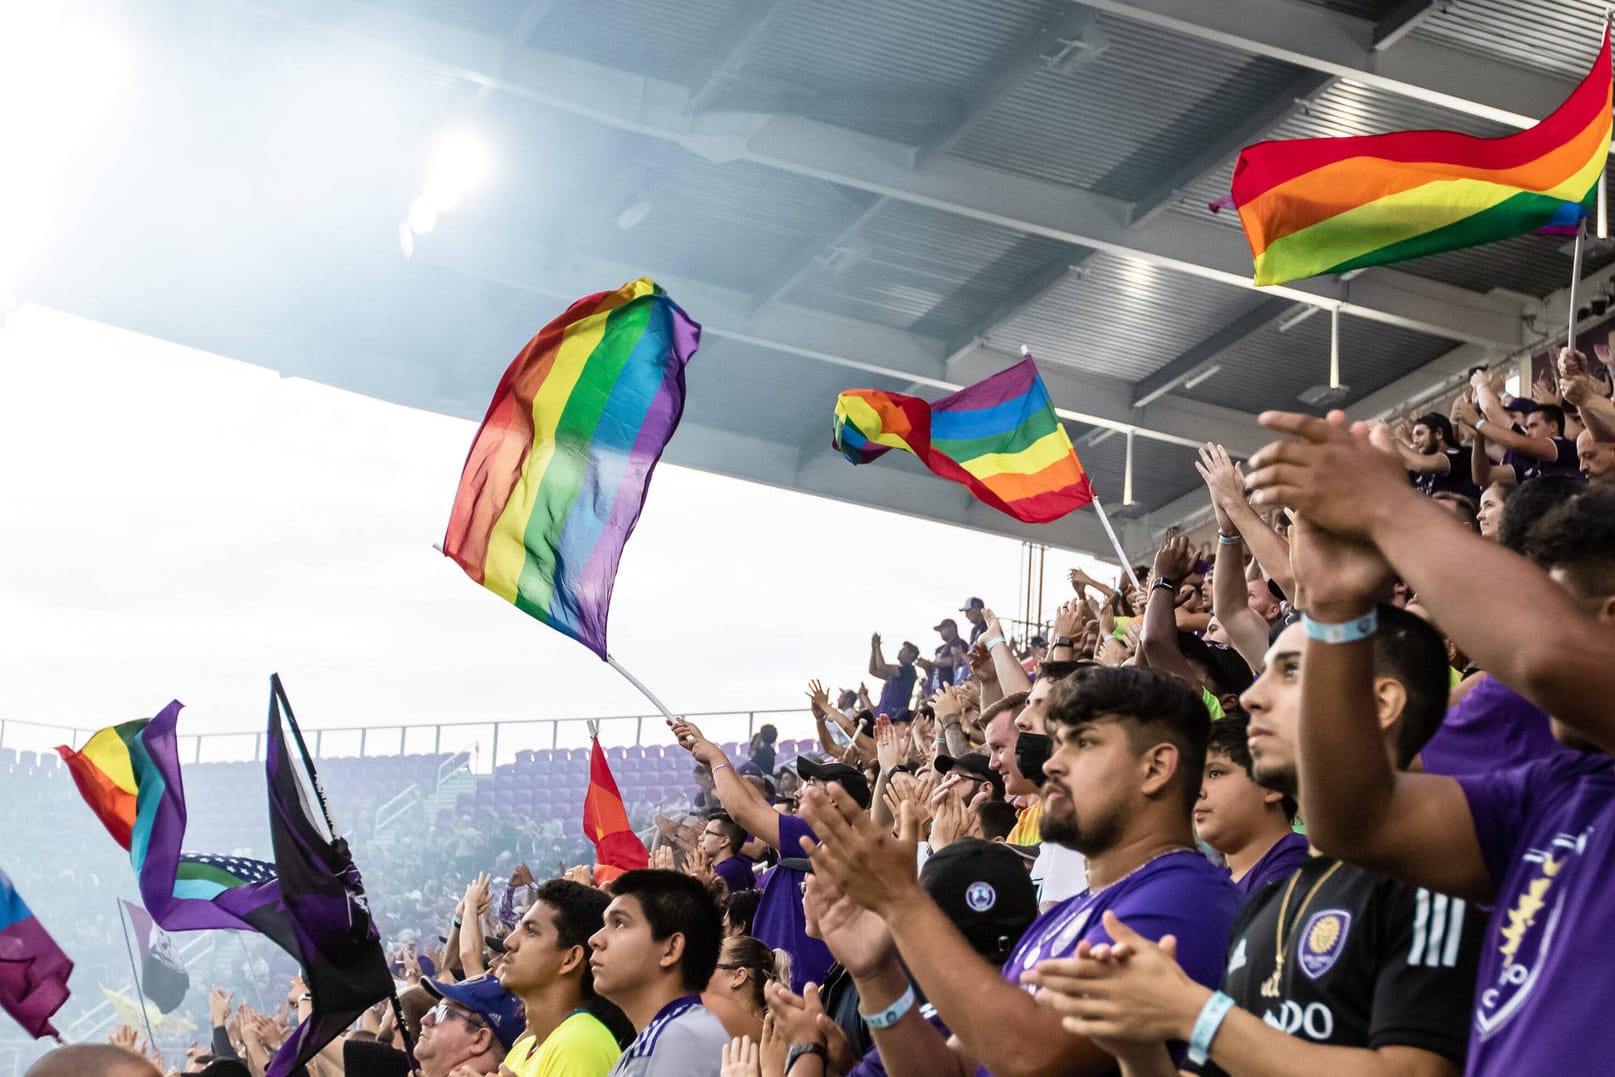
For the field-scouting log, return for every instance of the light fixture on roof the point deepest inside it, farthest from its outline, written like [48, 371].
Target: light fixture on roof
[1290, 321]
[1205, 374]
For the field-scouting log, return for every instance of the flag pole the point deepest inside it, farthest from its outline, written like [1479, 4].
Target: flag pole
[1575, 278]
[1121, 554]
[140, 988]
[639, 684]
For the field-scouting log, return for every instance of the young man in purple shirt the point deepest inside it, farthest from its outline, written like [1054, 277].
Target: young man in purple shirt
[1536, 843]
[1118, 789]
[779, 921]
[721, 840]
[1249, 824]
[897, 689]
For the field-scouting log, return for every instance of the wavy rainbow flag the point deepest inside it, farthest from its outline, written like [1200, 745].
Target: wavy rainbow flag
[129, 775]
[556, 477]
[1328, 205]
[1000, 437]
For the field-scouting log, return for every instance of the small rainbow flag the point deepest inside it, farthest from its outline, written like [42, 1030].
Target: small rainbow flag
[1000, 437]
[1328, 205]
[556, 477]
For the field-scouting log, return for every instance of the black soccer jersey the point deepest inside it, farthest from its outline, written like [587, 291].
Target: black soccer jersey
[1368, 961]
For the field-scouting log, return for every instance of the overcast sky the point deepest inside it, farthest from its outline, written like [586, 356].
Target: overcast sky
[178, 525]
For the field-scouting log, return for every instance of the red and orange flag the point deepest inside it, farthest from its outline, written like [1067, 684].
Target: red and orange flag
[605, 820]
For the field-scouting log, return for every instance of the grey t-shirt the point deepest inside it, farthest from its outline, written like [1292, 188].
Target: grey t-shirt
[683, 1040]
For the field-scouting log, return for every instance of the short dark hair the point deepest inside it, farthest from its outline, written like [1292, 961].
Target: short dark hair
[678, 904]
[740, 908]
[734, 835]
[1529, 503]
[1554, 414]
[997, 817]
[1149, 702]
[1577, 536]
[1050, 670]
[579, 912]
[1468, 512]
[1012, 702]
[1408, 649]
[1438, 423]
[1228, 738]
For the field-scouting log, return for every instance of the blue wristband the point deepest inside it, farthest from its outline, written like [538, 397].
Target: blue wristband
[1347, 632]
[1229, 540]
[894, 1013]
[1206, 1026]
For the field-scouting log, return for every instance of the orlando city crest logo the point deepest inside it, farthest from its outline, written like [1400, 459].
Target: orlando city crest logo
[1323, 940]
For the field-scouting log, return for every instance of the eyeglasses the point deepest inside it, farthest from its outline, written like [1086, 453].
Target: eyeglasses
[443, 1009]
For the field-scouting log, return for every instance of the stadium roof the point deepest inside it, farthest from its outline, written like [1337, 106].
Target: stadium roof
[893, 195]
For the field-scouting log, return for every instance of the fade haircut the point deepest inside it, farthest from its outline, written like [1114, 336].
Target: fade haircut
[998, 818]
[1577, 537]
[1228, 739]
[1152, 706]
[1409, 650]
[734, 835]
[1049, 670]
[678, 904]
[1554, 414]
[1528, 504]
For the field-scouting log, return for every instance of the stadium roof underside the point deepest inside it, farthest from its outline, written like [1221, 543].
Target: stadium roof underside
[893, 195]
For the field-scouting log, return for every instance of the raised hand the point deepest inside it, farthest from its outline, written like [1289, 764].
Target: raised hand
[125, 1037]
[857, 938]
[1331, 474]
[873, 868]
[662, 859]
[521, 876]
[981, 664]
[740, 1058]
[690, 738]
[583, 873]
[797, 1014]
[218, 1006]
[890, 751]
[1069, 617]
[1174, 560]
[477, 898]
[1575, 383]
[950, 821]
[1544, 390]
[1223, 477]
[990, 619]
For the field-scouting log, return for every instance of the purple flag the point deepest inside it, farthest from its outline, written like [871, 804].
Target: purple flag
[33, 969]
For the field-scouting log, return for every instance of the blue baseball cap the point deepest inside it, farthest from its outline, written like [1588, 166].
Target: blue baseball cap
[482, 995]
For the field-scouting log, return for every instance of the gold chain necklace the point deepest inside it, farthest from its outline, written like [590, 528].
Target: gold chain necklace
[1270, 986]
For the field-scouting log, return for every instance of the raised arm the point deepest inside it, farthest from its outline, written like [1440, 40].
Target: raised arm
[1011, 676]
[1498, 428]
[877, 660]
[1159, 642]
[1230, 597]
[740, 799]
[1596, 411]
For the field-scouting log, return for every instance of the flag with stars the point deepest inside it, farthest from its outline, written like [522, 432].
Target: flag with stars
[334, 936]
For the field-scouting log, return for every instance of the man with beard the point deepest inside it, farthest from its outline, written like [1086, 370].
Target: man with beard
[1119, 788]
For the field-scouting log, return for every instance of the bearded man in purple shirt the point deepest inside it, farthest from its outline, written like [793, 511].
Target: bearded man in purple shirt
[1536, 843]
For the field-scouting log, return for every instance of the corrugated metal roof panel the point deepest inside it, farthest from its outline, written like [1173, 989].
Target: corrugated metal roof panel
[1561, 36]
[1124, 107]
[1162, 472]
[1122, 317]
[920, 268]
[1270, 369]
[1363, 9]
[665, 41]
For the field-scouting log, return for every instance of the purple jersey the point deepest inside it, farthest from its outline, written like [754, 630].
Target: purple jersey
[1180, 893]
[897, 692]
[1547, 833]
[1491, 727]
[1285, 855]
[780, 921]
[1526, 466]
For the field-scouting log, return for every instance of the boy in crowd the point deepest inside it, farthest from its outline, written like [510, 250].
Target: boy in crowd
[652, 958]
[1249, 824]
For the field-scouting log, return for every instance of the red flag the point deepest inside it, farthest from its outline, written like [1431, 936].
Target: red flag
[605, 820]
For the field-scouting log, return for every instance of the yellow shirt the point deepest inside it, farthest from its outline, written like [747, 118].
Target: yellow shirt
[1028, 825]
[580, 1046]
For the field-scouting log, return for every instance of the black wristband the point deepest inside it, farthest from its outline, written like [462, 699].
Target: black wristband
[797, 1050]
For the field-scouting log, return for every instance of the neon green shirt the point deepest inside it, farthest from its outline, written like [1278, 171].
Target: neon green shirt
[580, 1046]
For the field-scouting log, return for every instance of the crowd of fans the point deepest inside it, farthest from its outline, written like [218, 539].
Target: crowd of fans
[1293, 803]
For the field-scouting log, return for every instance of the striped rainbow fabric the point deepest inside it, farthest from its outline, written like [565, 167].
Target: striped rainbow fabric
[556, 477]
[1328, 205]
[1000, 437]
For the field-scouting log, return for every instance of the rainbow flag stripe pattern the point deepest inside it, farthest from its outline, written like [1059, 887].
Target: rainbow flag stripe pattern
[1000, 437]
[556, 477]
[1328, 205]
[129, 776]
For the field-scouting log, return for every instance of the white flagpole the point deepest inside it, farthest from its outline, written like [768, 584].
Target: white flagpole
[637, 683]
[1121, 554]
[1575, 278]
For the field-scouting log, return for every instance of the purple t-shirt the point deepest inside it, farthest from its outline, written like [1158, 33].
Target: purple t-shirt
[1547, 833]
[1285, 855]
[898, 692]
[1529, 467]
[780, 921]
[1492, 726]
[1180, 893]
[736, 872]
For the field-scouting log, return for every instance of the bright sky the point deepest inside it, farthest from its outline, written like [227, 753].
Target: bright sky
[179, 525]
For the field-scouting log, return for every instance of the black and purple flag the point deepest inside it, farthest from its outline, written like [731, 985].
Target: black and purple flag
[322, 894]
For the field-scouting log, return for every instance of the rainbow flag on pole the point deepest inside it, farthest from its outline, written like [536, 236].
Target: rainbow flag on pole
[1328, 205]
[1000, 437]
[605, 820]
[556, 477]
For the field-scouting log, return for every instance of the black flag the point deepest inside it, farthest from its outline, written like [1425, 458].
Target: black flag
[338, 945]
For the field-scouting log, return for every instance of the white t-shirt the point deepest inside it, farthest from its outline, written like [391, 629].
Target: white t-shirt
[1057, 874]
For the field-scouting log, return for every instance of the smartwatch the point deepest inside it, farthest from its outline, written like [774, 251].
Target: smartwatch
[797, 1050]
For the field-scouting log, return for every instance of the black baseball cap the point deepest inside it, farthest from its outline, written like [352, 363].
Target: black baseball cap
[848, 777]
[975, 764]
[972, 603]
[984, 888]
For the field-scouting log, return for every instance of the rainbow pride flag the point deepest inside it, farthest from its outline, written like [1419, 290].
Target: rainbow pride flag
[605, 819]
[1328, 205]
[129, 776]
[1000, 437]
[556, 477]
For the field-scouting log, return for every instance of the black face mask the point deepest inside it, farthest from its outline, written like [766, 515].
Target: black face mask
[1032, 750]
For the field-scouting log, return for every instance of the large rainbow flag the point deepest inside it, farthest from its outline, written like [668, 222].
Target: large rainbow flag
[1328, 205]
[556, 477]
[1000, 437]
[129, 775]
